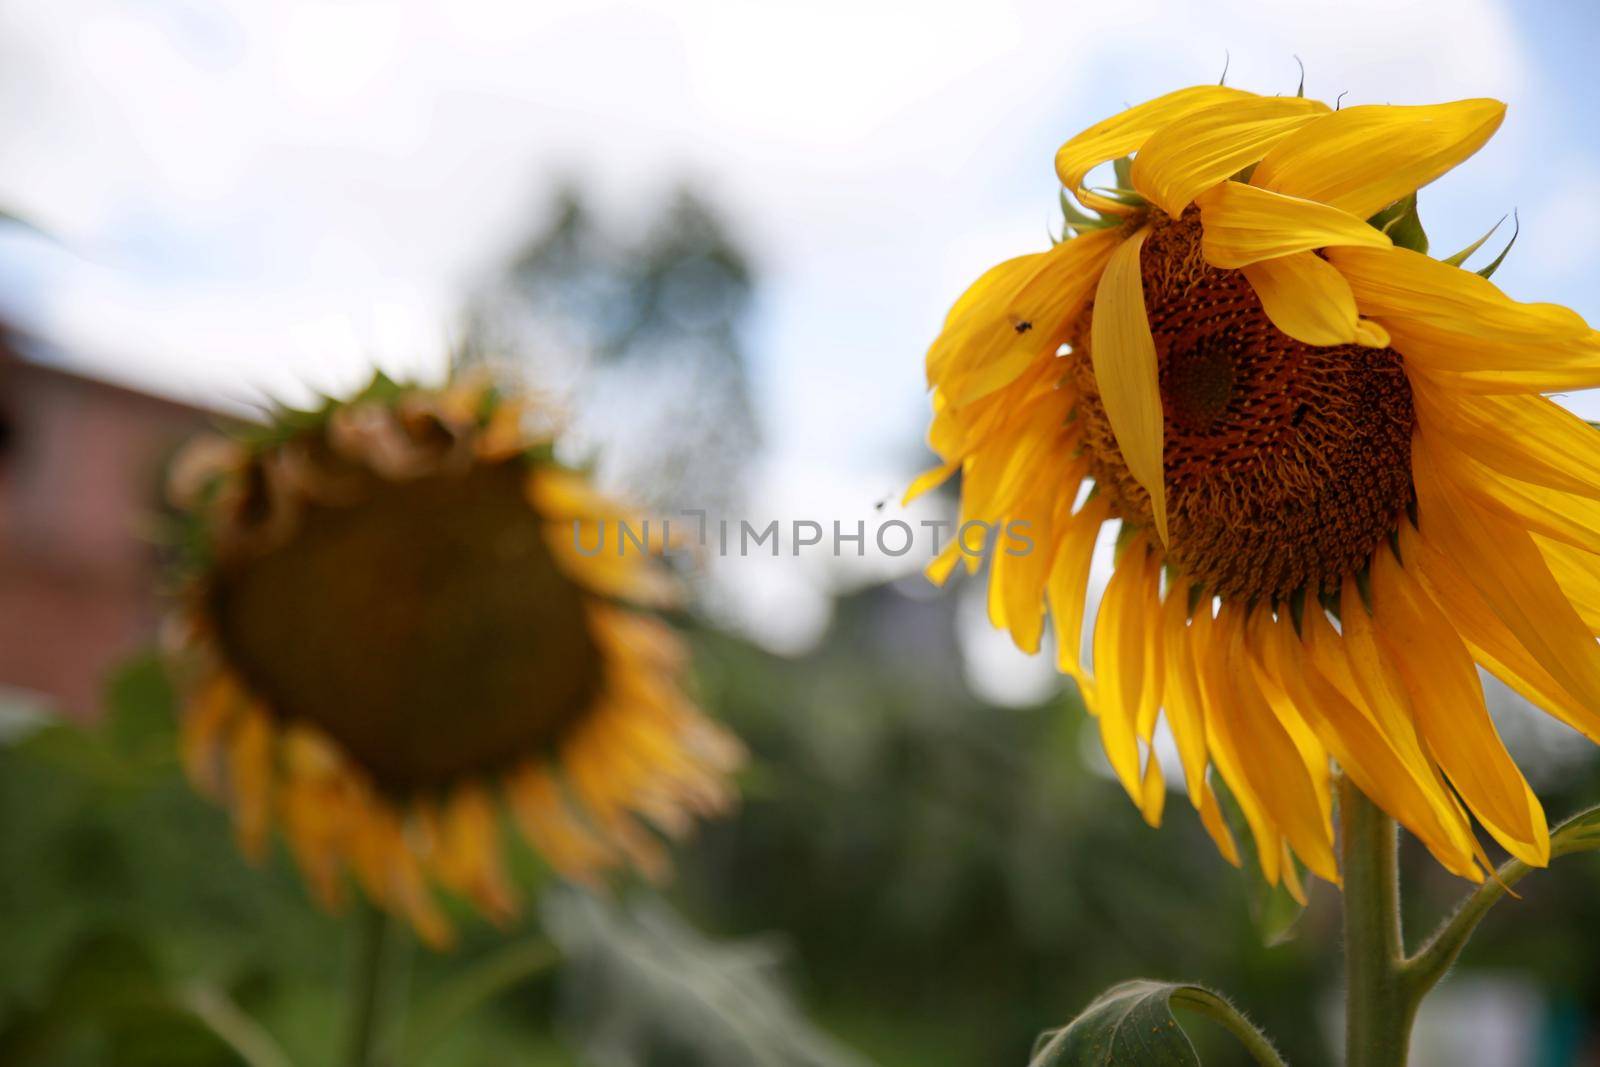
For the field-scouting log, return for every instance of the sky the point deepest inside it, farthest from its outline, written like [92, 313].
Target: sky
[258, 198]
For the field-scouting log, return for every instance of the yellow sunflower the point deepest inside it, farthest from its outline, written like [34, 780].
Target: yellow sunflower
[1340, 486]
[394, 634]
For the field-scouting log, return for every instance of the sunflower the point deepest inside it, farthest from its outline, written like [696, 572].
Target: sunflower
[1339, 485]
[396, 631]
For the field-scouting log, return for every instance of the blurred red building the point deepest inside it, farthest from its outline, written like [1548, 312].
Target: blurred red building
[80, 468]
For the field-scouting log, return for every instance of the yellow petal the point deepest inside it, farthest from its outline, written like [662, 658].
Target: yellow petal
[1306, 298]
[1475, 363]
[1228, 742]
[1451, 715]
[1211, 818]
[1154, 672]
[1491, 642]
[1153, 791]
[947, 433]
[1181, 692]
[942, 566]
[1577, 573]
[1243, 224]
[1380, 689]
[1119, 666]
[561, 494]
[1361, 159]
[1505, 566]
[1068, 585]
[207, 721]
[996, 283]
[1530, 438]
[1016, 577]
[1127, 132]
[1371, 334]
[1258, 643]
[467, 852]
[250, 781]
[1124, 357]
[547, 821]
[1022, 317]
[1186, 158]
[1536, 508]
[1291, 877]
[1401, 284]
[1041, 455]
[958, 432]
[1366, 753]
[929, 480]
[982, 301]
[1277, 772]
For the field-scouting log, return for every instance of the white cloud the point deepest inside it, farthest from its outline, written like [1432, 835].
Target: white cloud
[270, 193]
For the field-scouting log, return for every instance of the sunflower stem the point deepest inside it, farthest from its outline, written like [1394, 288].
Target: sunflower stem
[475, 988]
[1581, 833]
[367, 992]
[1379, 1005]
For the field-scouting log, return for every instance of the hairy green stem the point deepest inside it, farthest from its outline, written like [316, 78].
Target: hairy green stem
[1379, 1005]
[1219, 1011]
[1423, 970]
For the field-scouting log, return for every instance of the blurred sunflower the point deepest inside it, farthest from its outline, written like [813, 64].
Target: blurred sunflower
[1339, 486]
[394, 637]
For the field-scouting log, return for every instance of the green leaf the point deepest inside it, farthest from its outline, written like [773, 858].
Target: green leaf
[1488, 272]
[1121, 196]
[1133, 1024]
[1400, 221]
[1276, 912]
[1461, 256]
[1123, 169]
[1078, 219]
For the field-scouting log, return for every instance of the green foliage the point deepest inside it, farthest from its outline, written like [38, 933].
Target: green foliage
[1077, 220]
[1494, 264]
[1132, 1025]
[945, 876]
[132, 933]
[951, 873]
[121, 889]
[1488, 272]
[1277, 913]
[1400, 221]
[1122, 167]
[1462, 256]
[1581, 833]
[1129, 1024]
[645, 989]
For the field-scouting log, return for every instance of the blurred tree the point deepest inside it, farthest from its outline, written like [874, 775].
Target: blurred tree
[644, 334]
